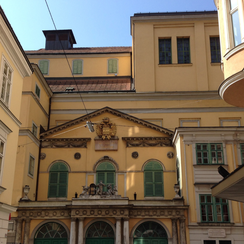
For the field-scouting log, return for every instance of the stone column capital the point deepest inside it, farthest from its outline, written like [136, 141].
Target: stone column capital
[73, 219]
[117, 219]
[182, 219]
[81, 218]
[126, 218]
[27, 220]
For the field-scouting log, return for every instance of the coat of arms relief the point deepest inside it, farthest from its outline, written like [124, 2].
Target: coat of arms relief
[106, 130]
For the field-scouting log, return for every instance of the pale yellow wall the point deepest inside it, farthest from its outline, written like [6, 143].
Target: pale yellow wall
[199, 75]
[93, 65]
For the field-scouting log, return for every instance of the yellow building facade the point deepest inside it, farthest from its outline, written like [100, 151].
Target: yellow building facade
[123, 144]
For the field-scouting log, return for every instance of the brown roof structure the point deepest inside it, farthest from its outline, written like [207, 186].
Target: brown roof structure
[89, 84]
[82, 50]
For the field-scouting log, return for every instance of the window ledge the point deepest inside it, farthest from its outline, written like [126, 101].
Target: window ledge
[234, 51]
[31, 176]
[174, 65]
[215, 64]
[208, 164]
[57, 198]
[215, 224]
[153, 198]
[2, 189]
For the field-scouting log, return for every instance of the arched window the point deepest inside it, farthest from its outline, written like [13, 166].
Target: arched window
[106, 174]
[58, 180]
[153, 180]
[51, 233]
[150, 232]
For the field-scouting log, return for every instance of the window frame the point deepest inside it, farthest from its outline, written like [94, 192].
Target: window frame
[217, 52]
[32, 129]
[8, 85]
[31, 174]
[231, 12]
[178, 53]
[117, 66]
[165, 52]
[38, 96]
[2, 156]
[48, 65]
[76, 60]
[214, 205]
[209, 152]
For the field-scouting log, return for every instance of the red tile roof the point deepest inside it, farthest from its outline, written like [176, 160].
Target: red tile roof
[83, 50]
[90, 84]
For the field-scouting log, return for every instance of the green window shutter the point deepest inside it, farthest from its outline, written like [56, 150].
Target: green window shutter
[53, 184]
[158, 179]
[77, 67]
[110, 178]
[43, 65]
[101, 177]
[148, 183]
[112, 65]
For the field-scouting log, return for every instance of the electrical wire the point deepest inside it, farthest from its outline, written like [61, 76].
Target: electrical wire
[67, 59]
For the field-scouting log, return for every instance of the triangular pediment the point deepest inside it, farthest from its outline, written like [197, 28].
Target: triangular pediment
[127, 123]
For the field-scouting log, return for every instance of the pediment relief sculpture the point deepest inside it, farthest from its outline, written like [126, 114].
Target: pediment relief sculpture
[106, 130]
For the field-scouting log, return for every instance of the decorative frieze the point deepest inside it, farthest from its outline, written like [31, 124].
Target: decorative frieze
[65, 142]
[148, 141]
[45, 214]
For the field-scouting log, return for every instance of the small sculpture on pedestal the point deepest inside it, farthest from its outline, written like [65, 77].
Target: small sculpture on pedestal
[100, 188]
[85, 190]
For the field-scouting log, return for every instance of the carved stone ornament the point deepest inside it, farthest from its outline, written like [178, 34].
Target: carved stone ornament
[65, 142]
[148, 141]
[43, 156]
[106, 129]
[135, 155]
[77, 155]
[170, 154]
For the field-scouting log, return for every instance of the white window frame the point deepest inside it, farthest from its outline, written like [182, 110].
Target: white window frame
[47, 67]
[9, 68]
[40, 91]
[81, 67]
[34, 125]
[29, 173]
[115, 73]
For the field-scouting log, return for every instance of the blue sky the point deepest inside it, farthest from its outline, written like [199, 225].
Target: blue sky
[95, 23]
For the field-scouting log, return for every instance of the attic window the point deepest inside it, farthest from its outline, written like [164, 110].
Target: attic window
[69, 89]
[63, 37]
[51, 38]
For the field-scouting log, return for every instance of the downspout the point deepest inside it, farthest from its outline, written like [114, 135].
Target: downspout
[38, 170]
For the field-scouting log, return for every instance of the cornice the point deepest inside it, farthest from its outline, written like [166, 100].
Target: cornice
[26, 132]
[89, 116]
[13, 49]
[234, 51]
[148, 141]
[42, 79]
[9, 113]
[209, 134]
[37, 101]
[5, 127]
[133, 96]
[7, 208]
[65, 142]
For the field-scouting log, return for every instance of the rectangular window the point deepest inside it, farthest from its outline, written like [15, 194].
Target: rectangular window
[44, 66]
[215, 50]
[112, 66]
[209, 153]
[234, 14]
[213, 209]
[37, 91]
[34, 129]
[6, 83]
[31, 166]
[165, 51]
[77, 67]
[1, 155]
[183, 50]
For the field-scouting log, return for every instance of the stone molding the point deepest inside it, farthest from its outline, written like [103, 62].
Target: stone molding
[65, 142]
[148, 141]
[96, 113]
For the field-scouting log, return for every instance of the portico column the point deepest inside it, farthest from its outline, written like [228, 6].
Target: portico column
[80, 231]
[27, 231]
[126, 231]
[182, 231]
[118, 230]
[72, 231]
[174, 231]
[18, 231]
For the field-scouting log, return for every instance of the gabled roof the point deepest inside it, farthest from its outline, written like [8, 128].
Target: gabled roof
[88, 117]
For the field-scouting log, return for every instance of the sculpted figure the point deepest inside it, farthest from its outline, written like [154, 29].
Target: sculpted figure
[115, 190]
[110, 190]
[100, 188]
[85, 190]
